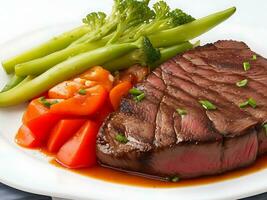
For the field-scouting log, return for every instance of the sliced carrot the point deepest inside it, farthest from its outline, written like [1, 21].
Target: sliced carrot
[65, 90]
[80, 150]
[100, 76]
[96, 73]
[26, 138]
[34, 109]
[118, 92]
[82, 104]
[42, 125]
[62, 132]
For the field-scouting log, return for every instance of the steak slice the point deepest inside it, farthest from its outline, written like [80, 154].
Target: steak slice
[161, 143]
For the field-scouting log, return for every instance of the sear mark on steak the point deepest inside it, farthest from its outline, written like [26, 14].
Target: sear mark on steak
[162, 143]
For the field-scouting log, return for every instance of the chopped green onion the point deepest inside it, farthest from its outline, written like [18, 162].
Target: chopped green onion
[207, 105]
[42, 99]
[121, 138]
[46, 103]
[265, 127]
[181, 112]
[82, 92]
[135, 91]
[139, 97]
[246, 66]
[174, 179]
[242, 83]
[254, 57]
[243, 104]
[250, 102]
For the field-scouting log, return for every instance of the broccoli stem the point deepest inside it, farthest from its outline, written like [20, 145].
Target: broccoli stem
[170, 52]
[190, 30]
[135, 57]
[55, 44]
[64, 71]
[40, 65]
[15, 80]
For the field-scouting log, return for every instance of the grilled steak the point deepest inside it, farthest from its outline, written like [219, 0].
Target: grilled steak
[164, 143]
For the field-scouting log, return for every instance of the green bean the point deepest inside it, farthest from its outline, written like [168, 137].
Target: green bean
[136, 57]
[40, 65]
[55, 44]
[64, 71]
[15, 80]
[190, 30]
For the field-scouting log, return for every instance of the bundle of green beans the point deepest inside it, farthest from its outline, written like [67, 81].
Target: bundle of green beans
[132, 34]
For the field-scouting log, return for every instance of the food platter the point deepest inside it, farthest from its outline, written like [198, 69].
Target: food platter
[30, 171]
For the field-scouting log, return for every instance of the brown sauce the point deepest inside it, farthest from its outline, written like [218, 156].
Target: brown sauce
[113, 176]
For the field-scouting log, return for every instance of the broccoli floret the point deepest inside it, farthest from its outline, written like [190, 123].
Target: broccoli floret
[179, 17]
[132, 14]
[95, 20]
[162, 19]
[150, 54]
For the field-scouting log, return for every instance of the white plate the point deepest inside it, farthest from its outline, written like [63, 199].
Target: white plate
[30, 171]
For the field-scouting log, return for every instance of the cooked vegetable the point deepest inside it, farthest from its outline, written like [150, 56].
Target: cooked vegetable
[137, 57]
[98, 76]
[135, 91]
[207, 105]
[62, 132]
[80, 150]
[67, 70]
[121, 138]
[242, 83]
[55, 44]
[131, 32]
[34, 110]
[65, 90]
[40, 65]
[181, 112]
[82, 105]
[15, 80]
[254, 57]
[246, 66]
[119, 91]
[191, 30]
[139, 97]
[26, 138]
[250, 102]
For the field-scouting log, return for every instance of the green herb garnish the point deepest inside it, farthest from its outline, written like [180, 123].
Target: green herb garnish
[242, 83]
[243, 104]
[135, 91]
[121, 138]
[82, 92]
[254, 57]
[181, 112]
[250, 102]
[207, 105]
[46, 103]
[246, 66]
[174, 179]
[139, 97]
